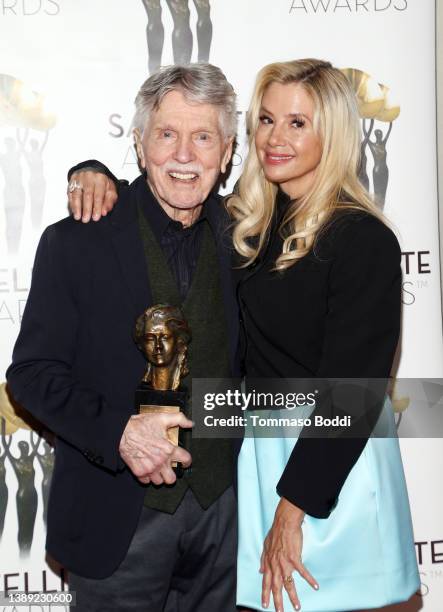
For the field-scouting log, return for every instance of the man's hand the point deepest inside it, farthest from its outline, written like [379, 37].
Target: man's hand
[95, 195]
[146, 450]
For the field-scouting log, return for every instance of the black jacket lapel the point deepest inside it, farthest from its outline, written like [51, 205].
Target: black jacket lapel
[218, 219]
[128, 246]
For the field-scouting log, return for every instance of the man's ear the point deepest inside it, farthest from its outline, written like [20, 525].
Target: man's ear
[227, 155]
[138, 147]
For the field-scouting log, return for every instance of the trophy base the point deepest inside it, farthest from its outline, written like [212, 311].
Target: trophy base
[152, 401]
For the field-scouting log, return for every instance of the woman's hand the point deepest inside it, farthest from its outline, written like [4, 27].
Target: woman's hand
[281, 555]
[91, 194]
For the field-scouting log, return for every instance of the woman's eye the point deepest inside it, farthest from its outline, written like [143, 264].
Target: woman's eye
[167, 134]
[203, 137]
[299, 123]
[265, 120]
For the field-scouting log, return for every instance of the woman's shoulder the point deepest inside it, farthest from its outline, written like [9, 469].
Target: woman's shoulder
[358, 231]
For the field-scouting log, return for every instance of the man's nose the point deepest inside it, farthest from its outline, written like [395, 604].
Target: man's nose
[184, 152]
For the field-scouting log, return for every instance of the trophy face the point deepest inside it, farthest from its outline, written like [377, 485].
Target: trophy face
[160, 344]
[162, 334]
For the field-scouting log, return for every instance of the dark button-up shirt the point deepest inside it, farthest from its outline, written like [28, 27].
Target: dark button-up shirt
[180, 245]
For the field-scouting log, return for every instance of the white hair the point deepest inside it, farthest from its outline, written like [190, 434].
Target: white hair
[200, 82]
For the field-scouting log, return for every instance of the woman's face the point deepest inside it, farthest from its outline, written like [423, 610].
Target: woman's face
[288, 148]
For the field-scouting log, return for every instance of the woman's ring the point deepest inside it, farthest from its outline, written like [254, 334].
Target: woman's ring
[73, 185]
[288, 579]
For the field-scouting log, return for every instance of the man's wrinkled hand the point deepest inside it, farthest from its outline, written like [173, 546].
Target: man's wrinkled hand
[146, 450]
[95, 196]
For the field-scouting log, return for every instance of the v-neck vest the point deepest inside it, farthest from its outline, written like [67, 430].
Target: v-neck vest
[208, 357]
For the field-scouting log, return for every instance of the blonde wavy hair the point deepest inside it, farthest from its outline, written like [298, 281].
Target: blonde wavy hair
[336, 184]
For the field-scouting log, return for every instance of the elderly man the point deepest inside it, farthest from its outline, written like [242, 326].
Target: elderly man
[132, 535]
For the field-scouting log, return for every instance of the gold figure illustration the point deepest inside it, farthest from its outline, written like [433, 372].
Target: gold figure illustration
[370, 97]
[20, 106]
[391, 109]
[400, 402]
[11, 413]
[374, 104]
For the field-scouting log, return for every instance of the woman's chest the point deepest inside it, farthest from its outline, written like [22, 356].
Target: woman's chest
[287, 305]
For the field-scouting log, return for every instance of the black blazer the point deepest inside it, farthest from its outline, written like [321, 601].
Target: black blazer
[334, 314]
[75, 367]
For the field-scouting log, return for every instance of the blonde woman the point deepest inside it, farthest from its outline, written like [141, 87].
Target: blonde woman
[323, 521]
[320, 297]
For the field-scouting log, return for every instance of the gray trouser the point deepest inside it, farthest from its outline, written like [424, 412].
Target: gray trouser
[182, 562]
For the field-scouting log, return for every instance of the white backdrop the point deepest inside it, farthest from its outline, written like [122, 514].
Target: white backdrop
[86, 61]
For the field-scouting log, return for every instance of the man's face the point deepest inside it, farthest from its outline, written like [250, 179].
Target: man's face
[159, 344]
[183, 151]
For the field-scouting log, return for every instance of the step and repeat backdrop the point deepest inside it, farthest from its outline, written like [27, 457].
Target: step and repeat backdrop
[69, 72]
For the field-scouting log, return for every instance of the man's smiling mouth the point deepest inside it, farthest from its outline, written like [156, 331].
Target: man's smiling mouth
[187, 177]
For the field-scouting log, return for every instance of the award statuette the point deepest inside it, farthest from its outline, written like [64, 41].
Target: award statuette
[163, 335]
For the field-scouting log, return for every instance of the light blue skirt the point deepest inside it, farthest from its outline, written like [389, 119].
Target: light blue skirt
[362, 555]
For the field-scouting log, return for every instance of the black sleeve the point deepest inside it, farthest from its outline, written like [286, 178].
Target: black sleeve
[361, 333]
[93, 164]
[41, 374]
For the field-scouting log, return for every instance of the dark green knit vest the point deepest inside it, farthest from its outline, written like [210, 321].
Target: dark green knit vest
[208, 357]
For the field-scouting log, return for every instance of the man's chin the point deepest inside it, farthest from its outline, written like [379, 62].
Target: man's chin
[187, 196]
[184, 196]
[185, 204]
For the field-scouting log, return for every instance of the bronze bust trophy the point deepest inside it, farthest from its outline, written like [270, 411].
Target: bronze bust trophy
[163, 335]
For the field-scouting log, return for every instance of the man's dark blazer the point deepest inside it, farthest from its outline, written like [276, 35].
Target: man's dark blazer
[75, 367]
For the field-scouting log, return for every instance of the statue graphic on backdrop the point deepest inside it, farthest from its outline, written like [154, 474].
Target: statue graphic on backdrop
[380, 173]
[375, 104]
[3, 486]
[46, 461]
[181, 34]
[37, 182]
[22, 108]
[13, 193]
[13, 418]
[162, 334]
[204, 29]
[155, 34]
[26, 497]
[182, 39]
[363, 170]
